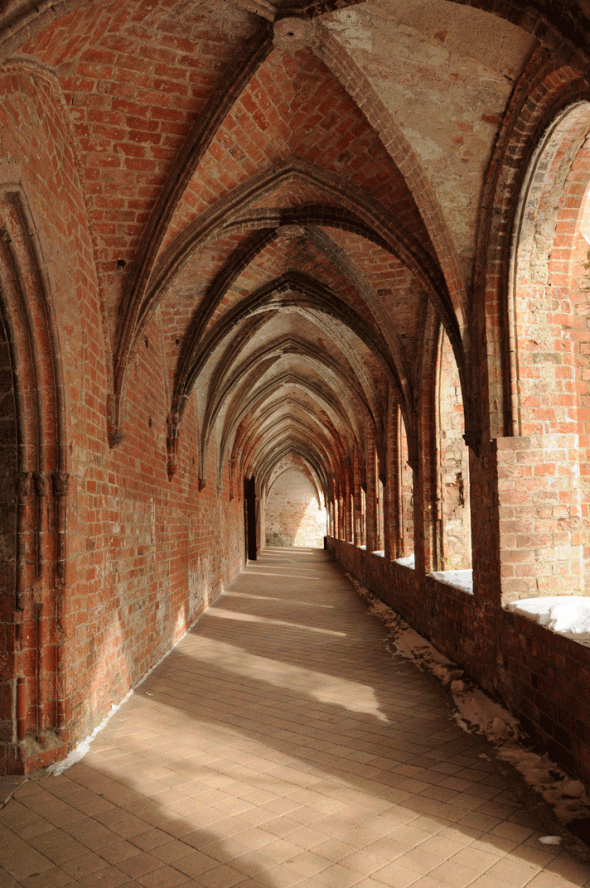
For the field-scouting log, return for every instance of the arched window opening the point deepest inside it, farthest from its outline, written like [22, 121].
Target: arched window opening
[543, 468]
[379, 542]
[363, 541]
[453, 465]
[406, 482]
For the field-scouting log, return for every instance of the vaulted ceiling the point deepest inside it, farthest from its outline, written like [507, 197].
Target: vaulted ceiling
[294, 189]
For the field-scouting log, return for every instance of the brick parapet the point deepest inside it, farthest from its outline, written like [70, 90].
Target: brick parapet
[540, 676]
[540, 515]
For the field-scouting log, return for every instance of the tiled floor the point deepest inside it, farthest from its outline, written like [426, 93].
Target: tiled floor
[281, 744]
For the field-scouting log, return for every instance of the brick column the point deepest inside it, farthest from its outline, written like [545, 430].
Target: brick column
[392, 491]
[540, 516]
[371, 516]
[356, 501]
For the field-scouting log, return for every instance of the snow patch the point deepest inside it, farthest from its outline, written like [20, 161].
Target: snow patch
[408, 561]
[565, 614]
[476, 712]
[460, 579]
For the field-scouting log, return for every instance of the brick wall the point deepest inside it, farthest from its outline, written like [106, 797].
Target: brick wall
[8, 535]
[540, 511]
[292, 515]
[542, 677]
[118, 559]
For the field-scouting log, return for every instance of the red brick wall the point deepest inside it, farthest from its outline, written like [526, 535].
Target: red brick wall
[150, 553]
[143, 555]
[541, 542]
[542, 677]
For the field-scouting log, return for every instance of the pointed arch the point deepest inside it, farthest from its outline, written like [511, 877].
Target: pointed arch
[35, 706]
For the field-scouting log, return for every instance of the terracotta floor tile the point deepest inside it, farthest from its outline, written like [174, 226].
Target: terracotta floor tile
[280, 745]
[165, 877]
[338, 876]
[110, 877]
[221, 877]
[83, 866]
[395, 875]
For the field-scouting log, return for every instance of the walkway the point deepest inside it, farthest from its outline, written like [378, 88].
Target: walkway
[281, 744]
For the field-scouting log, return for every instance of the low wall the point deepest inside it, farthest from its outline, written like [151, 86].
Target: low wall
[541, 677]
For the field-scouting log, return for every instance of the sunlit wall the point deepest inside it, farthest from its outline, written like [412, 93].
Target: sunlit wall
[293, 515]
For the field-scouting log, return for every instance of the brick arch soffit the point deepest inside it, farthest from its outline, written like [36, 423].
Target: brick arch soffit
[548, 20]
[423, 451]
[232, 211]
[310, 296]
[263, 234]
[359, 88]
[241, 409]
[429, 419]
[315, 432]
[174, 428]
[30, 19]
[546, 88]
[266, 463]
[243, 430]
[567, 133]
[352, 210]
[288, 429]
[27, 295]
[249, 371]
[199, 138]
[51, 82]
[280, 448]
[136, 304]
[248, 439]
[322, 240]
[306, 470]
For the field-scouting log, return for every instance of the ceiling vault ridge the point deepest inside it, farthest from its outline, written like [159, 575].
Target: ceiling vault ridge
[242, 408]
[293, 289]
[134, 311]
[286, 344]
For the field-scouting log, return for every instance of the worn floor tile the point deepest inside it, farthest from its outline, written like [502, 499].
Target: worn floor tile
[281, 744]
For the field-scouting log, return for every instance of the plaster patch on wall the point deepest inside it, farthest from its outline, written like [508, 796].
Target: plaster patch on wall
[425, 56]
[351, 31]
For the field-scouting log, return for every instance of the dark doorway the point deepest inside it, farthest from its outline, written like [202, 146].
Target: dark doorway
[250, 518]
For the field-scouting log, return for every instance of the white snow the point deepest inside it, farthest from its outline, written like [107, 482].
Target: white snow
[460, 579]
[477, 713]
[566, 614]
[408, 561]
[380, 552]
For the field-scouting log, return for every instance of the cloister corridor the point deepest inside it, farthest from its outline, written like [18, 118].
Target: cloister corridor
[280, 743]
